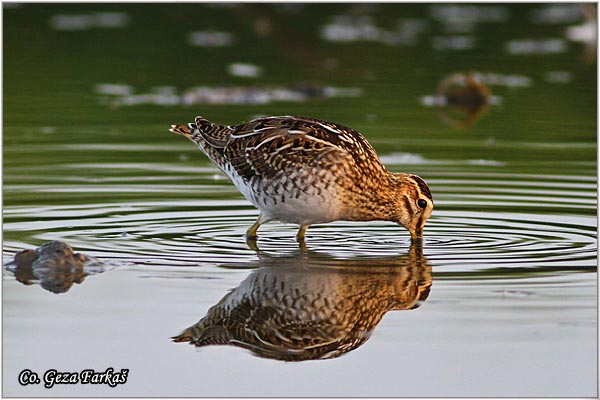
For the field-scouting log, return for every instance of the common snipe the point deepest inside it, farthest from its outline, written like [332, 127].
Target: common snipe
[306, 171]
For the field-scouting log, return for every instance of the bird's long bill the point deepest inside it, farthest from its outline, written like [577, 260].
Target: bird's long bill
[181, 130]
[416, 234]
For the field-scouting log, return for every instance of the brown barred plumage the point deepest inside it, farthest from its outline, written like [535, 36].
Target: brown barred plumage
[306, 171]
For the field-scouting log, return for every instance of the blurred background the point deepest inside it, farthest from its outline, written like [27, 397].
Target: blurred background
[136, 68]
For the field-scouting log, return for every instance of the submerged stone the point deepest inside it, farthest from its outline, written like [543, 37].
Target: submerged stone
[54, 266]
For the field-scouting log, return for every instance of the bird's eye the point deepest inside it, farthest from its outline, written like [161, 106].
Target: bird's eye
[422, 203]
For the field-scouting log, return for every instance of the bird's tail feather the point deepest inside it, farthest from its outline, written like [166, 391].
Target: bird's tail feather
[217, 136]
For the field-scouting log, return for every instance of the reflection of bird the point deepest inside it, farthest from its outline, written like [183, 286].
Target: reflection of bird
[311, 306]
[54, 265]
[306, 171]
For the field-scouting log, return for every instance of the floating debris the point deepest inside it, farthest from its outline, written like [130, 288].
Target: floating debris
[558, 13]
[531, 46]
[459, 42]
[464, 18]
[54, 266]
[244, 70]
[460, 100]
[558, 76]
[253, 95]
[486, 163]
[81, 22]
[346, 28]
[585, 33]
[466, 94]
[113, 89]
[362, 28]
[472, 13]
[210, 39]
[509, 81]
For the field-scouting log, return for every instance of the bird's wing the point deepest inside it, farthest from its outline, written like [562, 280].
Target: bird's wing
[266, 146]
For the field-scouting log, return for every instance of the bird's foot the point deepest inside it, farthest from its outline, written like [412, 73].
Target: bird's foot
[252, 243]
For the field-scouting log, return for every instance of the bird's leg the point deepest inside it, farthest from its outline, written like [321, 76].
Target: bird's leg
[251, 233]
[301, 233]
[303, 248]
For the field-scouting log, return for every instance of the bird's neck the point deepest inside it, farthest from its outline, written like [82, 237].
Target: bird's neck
[376, 200]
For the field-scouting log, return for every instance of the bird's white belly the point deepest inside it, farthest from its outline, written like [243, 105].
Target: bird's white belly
[287, 203]
[303, 211]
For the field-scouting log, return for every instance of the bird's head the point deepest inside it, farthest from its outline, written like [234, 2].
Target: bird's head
[413, 203]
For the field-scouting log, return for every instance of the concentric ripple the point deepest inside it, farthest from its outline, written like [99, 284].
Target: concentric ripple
[513, 240]
[209, 232]
[484, 218]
